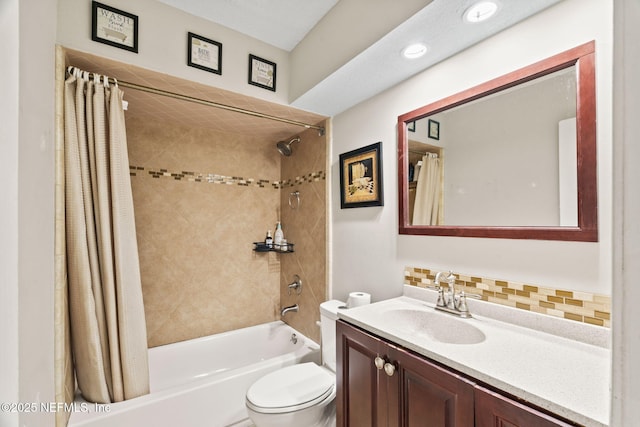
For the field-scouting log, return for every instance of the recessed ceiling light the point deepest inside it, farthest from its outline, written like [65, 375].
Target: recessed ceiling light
[481, 11]
[414, 51]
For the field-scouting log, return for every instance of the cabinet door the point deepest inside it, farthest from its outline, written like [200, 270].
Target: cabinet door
[408, 391]
[362, 388]
[495, 410]
[431, 396]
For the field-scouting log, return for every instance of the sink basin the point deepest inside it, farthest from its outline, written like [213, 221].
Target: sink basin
[433, 325]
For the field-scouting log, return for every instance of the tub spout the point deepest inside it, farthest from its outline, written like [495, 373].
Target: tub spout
[287, 309]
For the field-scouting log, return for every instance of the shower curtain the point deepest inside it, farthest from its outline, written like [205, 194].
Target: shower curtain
[427, 204]
[108, 331]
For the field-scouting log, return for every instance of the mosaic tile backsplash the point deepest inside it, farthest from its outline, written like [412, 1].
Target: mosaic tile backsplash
[584, 307]
[212, 178]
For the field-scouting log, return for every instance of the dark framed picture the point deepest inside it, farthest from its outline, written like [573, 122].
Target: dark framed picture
[411, 126]
[114, 27]
[204, 54]
[361, 177]
[262, 73]
[433, 129]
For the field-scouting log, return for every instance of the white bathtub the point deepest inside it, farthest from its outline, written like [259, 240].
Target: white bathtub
[202, 382]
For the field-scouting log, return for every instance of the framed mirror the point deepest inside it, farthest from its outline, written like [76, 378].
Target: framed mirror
[514, 157]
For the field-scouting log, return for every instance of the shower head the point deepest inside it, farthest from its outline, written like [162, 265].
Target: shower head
[285, 147]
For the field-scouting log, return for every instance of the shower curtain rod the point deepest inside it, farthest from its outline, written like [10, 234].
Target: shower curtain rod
[423, 153]
[215, 104]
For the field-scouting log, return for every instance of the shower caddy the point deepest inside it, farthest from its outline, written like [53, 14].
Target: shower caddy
[262, 247]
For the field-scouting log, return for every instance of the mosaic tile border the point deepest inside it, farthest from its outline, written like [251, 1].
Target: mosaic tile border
[212, 178]
[583, 307]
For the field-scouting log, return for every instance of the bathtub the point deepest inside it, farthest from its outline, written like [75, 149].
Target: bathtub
[203, 382]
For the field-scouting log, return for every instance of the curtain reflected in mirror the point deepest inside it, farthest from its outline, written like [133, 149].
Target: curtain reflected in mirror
[428, 191]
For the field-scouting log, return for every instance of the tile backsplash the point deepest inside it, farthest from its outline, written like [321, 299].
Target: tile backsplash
[584, 307]
[213, 178]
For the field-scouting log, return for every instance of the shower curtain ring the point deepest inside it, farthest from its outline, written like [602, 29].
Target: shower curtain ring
[295, 194]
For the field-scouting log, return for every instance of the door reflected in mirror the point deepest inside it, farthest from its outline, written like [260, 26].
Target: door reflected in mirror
[512, 158]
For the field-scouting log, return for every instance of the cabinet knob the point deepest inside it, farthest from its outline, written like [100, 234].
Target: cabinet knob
[379, 361]
[390, 369]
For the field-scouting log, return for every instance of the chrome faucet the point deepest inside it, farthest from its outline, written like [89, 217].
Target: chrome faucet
[451, 303]
[288, 309]
[296, 285]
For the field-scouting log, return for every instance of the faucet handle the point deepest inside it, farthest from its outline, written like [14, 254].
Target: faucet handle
[296, 285]
[451, 300]
[462, 303]
[441, 302]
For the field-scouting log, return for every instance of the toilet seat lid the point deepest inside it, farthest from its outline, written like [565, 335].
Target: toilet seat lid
[290, 389]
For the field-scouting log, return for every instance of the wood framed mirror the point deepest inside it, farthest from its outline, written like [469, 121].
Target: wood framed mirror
[514, 157]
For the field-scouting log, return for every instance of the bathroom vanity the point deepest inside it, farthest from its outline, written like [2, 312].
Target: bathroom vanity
[401, 363]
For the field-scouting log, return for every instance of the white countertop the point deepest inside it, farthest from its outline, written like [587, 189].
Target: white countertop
[568, 377]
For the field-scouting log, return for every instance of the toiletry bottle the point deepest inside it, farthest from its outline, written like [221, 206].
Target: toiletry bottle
[268, 240]
[278, 236]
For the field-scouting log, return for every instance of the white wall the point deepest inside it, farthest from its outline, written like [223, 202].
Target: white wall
[26, 220]
[368, 253]
[162, 45]
[36, 154]
[9, 35]
[626, 250]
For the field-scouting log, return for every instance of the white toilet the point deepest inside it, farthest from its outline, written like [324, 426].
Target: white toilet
[302, 394]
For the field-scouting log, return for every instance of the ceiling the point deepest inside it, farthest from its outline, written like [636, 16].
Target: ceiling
[281, 23]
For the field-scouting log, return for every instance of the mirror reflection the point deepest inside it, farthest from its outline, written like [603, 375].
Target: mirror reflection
[514, 157]
[508, 159]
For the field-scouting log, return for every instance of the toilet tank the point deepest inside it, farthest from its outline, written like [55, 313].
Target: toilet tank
[328, 316]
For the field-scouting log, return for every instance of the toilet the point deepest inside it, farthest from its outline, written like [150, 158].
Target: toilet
[302, 394]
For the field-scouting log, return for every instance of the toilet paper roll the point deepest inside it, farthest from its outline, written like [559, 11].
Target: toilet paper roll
[356, 299]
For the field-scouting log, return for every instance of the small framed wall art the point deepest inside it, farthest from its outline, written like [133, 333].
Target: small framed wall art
[434, 129]
[262, 73]
[204, 54]
[361, 177]
[114, 27]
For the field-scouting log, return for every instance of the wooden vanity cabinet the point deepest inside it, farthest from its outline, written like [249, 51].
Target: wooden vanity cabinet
[494, 409]
[402, 389]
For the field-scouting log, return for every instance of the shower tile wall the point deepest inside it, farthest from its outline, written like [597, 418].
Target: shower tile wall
[305, 171]
[200, 201]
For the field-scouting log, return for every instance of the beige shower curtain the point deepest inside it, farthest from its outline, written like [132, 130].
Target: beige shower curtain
[427, 204]
[108, 330]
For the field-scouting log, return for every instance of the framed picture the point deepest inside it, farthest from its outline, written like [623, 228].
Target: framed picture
[434, 129]
[114, 27]
[262, 73]
[361, 177]
[411, 126]
[204, 54]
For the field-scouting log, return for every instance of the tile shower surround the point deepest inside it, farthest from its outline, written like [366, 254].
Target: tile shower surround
[306, 227]
[201, 197]
[578, 306]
